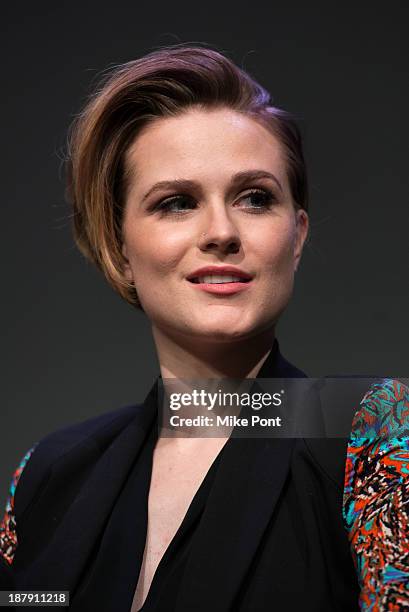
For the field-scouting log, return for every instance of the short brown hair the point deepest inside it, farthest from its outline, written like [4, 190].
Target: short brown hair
[163, 83]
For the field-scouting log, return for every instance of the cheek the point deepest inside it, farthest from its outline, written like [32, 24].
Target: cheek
[154, 253]
[276, 257]
[275, 247]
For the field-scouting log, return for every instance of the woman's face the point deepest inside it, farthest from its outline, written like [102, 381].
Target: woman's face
[209, 188]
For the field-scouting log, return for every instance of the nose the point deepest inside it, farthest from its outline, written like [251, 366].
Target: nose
[218, 232]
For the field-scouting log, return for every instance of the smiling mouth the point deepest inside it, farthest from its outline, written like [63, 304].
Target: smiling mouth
[217, 280]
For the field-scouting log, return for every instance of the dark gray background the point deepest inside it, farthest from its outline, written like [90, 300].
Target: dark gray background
[72, 348]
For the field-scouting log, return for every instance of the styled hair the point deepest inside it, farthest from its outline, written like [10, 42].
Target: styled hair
[164, 83]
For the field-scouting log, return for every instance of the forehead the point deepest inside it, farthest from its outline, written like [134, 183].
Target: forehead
[207, 144]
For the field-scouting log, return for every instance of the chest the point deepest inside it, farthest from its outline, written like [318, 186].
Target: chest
[176, 477]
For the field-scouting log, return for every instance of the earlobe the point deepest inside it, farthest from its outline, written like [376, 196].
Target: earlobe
[302, 225]
[127, 270]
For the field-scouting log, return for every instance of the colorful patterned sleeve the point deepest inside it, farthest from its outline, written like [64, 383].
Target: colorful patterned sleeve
[8, 536]
[376, 496]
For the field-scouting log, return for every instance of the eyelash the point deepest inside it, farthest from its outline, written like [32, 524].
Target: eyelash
[269, 200]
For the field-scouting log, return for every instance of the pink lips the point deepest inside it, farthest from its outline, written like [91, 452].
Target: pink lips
[221, 288]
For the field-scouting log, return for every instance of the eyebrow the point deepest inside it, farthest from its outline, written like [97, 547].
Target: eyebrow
[237, 179]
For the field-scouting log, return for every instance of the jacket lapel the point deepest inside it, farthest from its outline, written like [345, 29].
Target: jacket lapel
[246, 489]
[61, 562]
[245, 492]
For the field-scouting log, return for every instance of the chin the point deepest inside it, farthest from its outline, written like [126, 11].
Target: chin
[227, 326]
[222, 334]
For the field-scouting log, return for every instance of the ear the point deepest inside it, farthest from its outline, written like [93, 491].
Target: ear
[127, 270]
[302, 226]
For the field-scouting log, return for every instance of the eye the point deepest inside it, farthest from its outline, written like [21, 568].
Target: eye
[261, 198]
[178, 203]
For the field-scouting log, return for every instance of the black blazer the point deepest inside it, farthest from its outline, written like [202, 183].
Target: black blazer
[271, 536]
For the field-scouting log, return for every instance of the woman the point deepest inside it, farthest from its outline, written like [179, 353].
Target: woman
[190, 194]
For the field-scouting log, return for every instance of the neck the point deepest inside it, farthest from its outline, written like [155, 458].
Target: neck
[196, 358]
